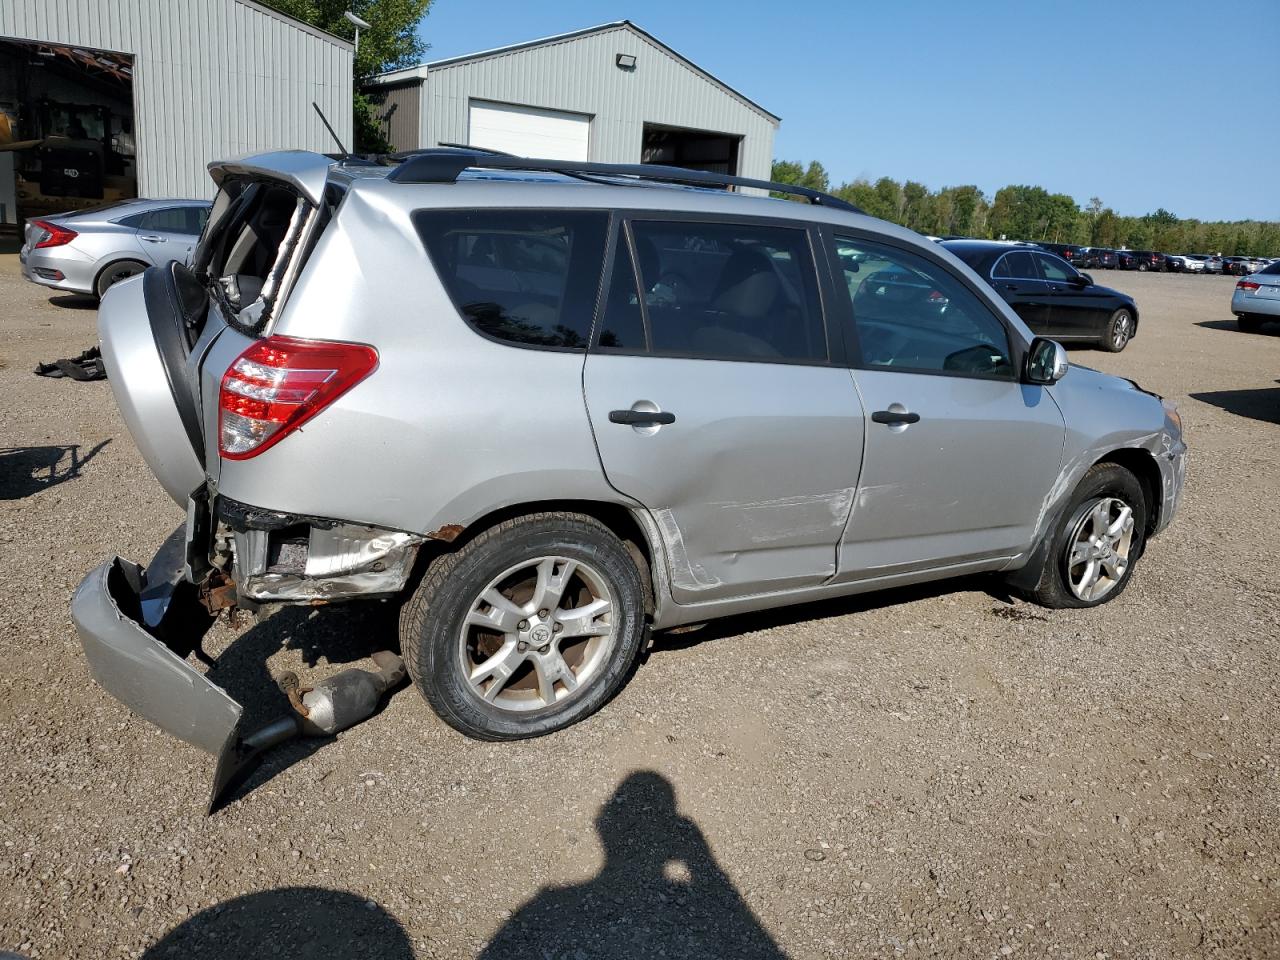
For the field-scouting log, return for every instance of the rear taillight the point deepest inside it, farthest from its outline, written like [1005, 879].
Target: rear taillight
[55, 236]
[280, 383]
[937, 296]
[1246, 285]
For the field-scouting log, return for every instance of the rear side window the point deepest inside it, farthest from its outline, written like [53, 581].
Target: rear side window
[1271, 270]
[524, 276]
[729, 291]
[1016, 266]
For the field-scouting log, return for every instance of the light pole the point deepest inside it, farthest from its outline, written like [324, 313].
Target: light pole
[358, 24]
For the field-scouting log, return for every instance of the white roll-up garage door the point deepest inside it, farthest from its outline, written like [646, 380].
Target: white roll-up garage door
[529, 131]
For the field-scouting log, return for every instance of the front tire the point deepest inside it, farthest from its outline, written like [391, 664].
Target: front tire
[1098, 540]
[1119, 331]
[530, 627]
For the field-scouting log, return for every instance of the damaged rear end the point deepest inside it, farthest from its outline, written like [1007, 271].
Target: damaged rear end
[203, 382]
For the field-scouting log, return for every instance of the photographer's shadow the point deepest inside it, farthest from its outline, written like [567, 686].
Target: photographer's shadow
[660, 893]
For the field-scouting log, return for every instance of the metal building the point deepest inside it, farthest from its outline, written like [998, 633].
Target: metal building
[158, 88]
[611, 93]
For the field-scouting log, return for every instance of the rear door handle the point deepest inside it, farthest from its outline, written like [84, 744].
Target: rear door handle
[151, 238]
[641, 418]
[895, 416]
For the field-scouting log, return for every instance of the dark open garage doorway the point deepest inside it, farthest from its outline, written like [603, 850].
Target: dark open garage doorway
[695, 149]
[66, 129]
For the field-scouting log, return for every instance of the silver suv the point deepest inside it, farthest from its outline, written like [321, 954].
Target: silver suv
[549, 407]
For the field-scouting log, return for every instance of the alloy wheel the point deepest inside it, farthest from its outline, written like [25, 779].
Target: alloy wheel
[538, 634]
[1121, 332]
[1098, 550]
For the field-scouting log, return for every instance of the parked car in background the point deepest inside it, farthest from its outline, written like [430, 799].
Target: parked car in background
[1212, 263]
[1147, 260]
[1050, 295]
[1067, 251]
[87, 251]
[1102, 258]
[1126, 260]
[695, 403]
[1173, 263]
[1256, 298]
[1191, 263]
[1237, 266]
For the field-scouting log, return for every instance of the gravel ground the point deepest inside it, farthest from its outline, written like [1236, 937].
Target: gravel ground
[928, 773]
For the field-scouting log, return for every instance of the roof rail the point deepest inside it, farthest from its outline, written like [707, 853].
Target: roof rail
[445, 165]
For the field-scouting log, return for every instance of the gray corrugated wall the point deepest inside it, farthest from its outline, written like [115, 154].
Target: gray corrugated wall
[580, 75]
[403, 128]
[212, 79]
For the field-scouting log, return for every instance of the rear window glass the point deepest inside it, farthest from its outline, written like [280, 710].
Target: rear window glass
[730, 291]
[1271, 270]
[524, 276]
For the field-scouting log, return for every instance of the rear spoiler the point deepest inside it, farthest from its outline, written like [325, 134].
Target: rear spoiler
[303, 170]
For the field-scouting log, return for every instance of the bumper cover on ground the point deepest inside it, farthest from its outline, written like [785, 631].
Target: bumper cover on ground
[122, 613]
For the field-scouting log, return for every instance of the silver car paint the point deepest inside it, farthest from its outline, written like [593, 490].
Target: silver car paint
[1265, 301]
[453, 426]
[101, 241]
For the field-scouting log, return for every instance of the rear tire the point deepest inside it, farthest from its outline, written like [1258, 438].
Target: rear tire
[1119, 331]
[1096, 512]
[1249, 323]
[113, 273]
[530, 627]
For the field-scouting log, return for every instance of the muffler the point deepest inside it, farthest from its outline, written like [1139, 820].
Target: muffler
[332, 705]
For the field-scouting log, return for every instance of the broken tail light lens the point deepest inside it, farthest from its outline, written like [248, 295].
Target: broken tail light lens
[55, 236]
[1246, 285]
[280, 383]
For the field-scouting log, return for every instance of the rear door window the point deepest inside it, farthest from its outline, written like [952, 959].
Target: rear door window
[729, 291]
[527, 277]
[1016, 266]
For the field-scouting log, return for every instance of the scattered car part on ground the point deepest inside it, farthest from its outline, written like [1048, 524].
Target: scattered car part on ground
[84, 367]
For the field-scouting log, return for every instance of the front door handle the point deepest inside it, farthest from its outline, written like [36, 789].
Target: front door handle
[641, 418]
[893, 417]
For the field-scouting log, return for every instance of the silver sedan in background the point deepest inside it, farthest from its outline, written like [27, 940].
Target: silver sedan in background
[86, 251]
[1256, 298]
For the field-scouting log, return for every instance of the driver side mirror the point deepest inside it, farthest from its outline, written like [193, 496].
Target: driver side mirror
[1082, 280]
[1047, 362]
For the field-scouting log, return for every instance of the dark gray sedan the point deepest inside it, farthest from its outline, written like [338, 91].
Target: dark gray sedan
[1051, 296]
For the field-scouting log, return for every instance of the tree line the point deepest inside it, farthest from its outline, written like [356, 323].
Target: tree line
[1018, 212]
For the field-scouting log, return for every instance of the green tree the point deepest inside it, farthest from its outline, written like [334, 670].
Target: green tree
[391, 42]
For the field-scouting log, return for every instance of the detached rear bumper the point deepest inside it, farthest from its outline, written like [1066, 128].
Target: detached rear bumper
[111, 609]
[137, 628]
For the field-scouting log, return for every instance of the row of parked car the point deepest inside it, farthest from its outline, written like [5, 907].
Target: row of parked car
[1094, 258]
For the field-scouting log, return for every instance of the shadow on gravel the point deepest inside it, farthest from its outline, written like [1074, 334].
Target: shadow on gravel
[74, 301]
[1272, 329]
[28, 470]
[1262, 404]
[820, 609]
[661, 893]
[304, 923]
[341, 634]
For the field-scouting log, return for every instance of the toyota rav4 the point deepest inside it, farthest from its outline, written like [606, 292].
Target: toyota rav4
[549, 407]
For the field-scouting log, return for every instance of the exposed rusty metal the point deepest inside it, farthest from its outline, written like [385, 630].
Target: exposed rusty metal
[448, 533]
[291, 687]
[218, 592]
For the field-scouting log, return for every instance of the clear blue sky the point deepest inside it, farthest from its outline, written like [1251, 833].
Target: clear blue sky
[1124, 101]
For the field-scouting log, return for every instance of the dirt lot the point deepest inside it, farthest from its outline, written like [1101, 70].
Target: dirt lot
[930, 773]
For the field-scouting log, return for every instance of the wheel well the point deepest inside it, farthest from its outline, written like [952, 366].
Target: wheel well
[115, 263]
[616, 517]
[1143, 466]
